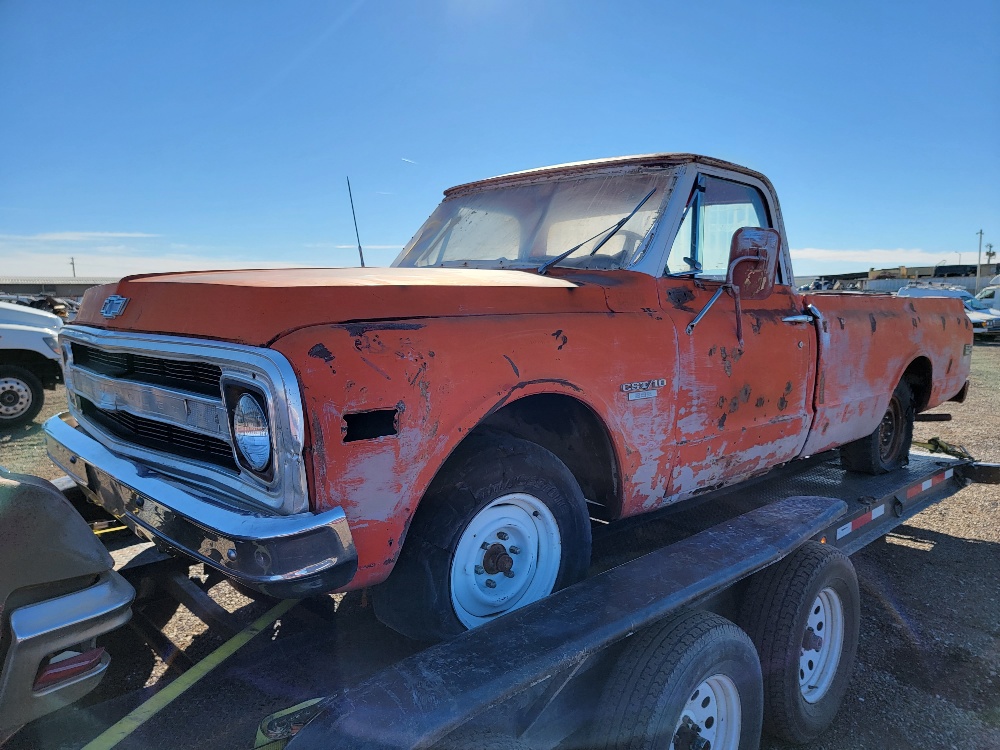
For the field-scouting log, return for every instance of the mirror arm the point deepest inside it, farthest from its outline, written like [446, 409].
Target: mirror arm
[705, 309]
[735, 291]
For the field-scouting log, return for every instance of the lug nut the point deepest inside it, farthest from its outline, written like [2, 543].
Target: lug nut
[484, 545]
[502, 536]
[514, 550]
[480, 570]
[490, 583]
[509, 573]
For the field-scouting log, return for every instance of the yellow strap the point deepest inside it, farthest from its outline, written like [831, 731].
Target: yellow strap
[129, 723]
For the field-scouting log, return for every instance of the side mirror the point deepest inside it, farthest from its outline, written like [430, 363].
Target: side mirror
[753, 256]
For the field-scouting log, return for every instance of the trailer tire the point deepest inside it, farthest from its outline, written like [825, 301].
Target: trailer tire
[812, 593]
[696, 666]
[21, 396]
[480, 740]
[888, 447]
[501, 505]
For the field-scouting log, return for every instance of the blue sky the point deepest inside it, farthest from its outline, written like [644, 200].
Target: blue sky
[151, 136]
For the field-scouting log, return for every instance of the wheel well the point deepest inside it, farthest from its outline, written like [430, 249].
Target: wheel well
[918, 375]
[45, 369]
[576, 435]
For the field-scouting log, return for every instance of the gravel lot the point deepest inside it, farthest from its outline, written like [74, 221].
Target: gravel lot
[928, 671]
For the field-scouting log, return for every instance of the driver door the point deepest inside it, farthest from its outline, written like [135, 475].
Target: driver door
[740, 410]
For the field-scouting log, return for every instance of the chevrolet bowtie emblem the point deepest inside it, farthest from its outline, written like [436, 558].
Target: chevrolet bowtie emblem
[113, 306]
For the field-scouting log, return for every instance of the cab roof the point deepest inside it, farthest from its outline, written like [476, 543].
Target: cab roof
[616, 163]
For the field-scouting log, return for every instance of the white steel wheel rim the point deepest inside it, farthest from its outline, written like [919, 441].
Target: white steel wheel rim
[818, 666]
[528, 533]
[15, 397]
[714, 709]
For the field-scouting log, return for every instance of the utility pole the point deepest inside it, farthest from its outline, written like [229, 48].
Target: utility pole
[979, 259]
[989, 253]
[72, 262]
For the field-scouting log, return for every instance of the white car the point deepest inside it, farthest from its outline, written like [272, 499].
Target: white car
[29, 361]
[991, 296]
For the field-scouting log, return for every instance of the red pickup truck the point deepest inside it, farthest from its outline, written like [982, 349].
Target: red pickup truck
[553, 348]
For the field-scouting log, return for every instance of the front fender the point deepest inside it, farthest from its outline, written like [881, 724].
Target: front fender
[387, 403]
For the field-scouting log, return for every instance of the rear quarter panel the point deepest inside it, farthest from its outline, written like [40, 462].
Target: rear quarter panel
[866, 342]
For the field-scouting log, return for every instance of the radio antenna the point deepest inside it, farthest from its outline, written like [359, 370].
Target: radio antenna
[349, 195]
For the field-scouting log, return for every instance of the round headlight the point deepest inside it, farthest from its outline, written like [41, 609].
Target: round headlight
[253, 436]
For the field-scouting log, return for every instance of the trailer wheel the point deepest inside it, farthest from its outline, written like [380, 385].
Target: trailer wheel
[888, 447]
[803, 615]
[21, 396]
[690, 682]
[503, 525]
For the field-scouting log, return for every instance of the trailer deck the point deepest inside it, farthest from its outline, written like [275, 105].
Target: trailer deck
[322, 649]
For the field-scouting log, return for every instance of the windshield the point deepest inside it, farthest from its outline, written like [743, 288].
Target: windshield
[527, 225]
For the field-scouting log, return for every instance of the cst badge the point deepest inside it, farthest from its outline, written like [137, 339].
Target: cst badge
[113, 306]
[643, 388]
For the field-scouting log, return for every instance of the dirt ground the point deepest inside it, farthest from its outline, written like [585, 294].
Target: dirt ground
[928, 663]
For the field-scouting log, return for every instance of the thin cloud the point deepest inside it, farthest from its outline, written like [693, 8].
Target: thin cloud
[75, 236]
[408, 161]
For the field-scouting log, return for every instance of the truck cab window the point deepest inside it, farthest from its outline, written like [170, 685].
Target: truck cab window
[713, 215]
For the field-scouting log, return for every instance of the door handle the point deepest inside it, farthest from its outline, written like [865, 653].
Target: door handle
[797, 319]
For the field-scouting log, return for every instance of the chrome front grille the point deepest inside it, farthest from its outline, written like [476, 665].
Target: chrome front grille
[159, 400]
[199, 377]
[162, 436]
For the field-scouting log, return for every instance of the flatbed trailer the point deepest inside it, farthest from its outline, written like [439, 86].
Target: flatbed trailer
[540, 676]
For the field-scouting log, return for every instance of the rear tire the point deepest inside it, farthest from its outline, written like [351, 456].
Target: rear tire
[695, 676]
[21, 396]
[803, 615]
[888, 447]
[503, 525]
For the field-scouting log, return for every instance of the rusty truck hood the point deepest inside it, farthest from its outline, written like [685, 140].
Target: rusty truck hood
[256, 306]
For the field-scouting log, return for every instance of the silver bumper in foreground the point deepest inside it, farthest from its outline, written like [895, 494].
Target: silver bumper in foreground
[54, 625]
[284, 556]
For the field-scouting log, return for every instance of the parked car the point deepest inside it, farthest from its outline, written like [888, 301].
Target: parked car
[30, 361]
[991, 296]
[58, 593]
[600, 339]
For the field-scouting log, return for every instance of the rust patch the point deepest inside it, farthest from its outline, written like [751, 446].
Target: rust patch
[950, 361]
[360, 329]
[843, 323]
[872, 320]
[679, 297]
[913, 321]
[321, 352]
[512, 366]
[711, 352]
[722, 401]
[734, 405]
[944, 323]
[760, 402]
[722, 421]
[782, 403]
[560, 337]
[788, 387]
[754, 323]
[822, 389]
[745, 393]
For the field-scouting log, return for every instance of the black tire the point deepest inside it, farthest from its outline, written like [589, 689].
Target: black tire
[660, 679]
[776, 611]
[888, 447]
[483, 474]
[21, 396]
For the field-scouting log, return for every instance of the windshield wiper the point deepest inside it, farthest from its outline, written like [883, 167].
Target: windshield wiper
[613, 231]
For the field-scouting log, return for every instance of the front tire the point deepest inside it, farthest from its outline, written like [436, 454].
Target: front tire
[21, 396]
[690, 681]
[803, 615]
[503, 525]
[888, 447]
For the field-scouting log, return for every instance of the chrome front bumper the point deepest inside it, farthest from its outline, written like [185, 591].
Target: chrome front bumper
[284, 556]
[49, 627]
